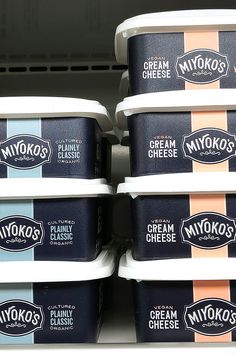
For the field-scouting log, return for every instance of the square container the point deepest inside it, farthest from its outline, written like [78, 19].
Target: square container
[180, 131]
[178, 50]
[108, 140]
[183, 300]
[52, 219]
[51, 137]
[124, 85]
[53, 303]
[182, 216]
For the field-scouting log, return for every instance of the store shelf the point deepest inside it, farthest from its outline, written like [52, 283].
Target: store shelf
[166, 348]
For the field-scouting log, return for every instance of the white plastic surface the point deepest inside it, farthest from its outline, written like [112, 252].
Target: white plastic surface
[180, 183]
[124, 84]
[176, 101]
[141, 348]
[56, 271]
[172, 21]
[33, 188]
[49, 107]
[177, 269]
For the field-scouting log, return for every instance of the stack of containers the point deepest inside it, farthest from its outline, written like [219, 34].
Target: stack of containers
[182, 125]
[124, 92]
[52, 193]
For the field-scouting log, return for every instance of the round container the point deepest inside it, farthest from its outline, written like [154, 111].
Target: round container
[51, 137]
[178, 50]
[185, 216]
[53, 303]
[179, 131]
[52, 219]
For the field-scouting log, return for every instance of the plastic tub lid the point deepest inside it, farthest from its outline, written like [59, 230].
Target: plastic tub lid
[175, 101]
[49, 107]
[172, 21]
[124, 84]
[44, 271]
[180, 183]
[35, 188]
[177, 269]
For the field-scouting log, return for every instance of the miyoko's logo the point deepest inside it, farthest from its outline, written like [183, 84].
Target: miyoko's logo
[19, 233]
[210, 317]
[209, 145]
[25, 151]
[208, 230]
[19, 317]
[202, 66]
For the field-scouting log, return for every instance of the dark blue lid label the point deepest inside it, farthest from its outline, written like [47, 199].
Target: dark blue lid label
[208, 230]
[202, 66]
[210, 317]
[19, 317]
[25, 151]
[209, 146]
[19, 233]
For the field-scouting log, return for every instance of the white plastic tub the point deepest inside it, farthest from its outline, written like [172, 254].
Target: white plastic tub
[182, 215]
[177, 131]
[178, 50]
[53, 219]
[124, 85]
[109, 139]
[59, 302]
[51, 137]
[183, 300]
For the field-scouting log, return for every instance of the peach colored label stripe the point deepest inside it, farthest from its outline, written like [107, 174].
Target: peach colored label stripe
[203, 203]
[200, 120]
[201, 40]
[207, 289]
[200, 203]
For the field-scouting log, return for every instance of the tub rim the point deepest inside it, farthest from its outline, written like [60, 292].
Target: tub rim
[26, 107]
[184, 269]
[175, 101]
[66, 271]
[171, 21]
[49, 188]
[179, 184]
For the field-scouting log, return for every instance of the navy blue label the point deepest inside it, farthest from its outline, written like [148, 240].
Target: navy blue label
[75, 145]
[25, 151]
[71, 311]
[211, 317]
[152, 62]
[18, 317]
[202, 66]
[209, 145]
[18, 233]
[159, 307]
[156, 226]
[208, 230]
[71, 228]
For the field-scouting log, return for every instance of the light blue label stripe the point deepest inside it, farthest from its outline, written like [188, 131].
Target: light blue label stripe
[16, 207]
[20, 292]
[24, 126]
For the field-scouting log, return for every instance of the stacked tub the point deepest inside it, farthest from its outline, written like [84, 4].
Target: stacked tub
[53, 197]
[181, 118]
